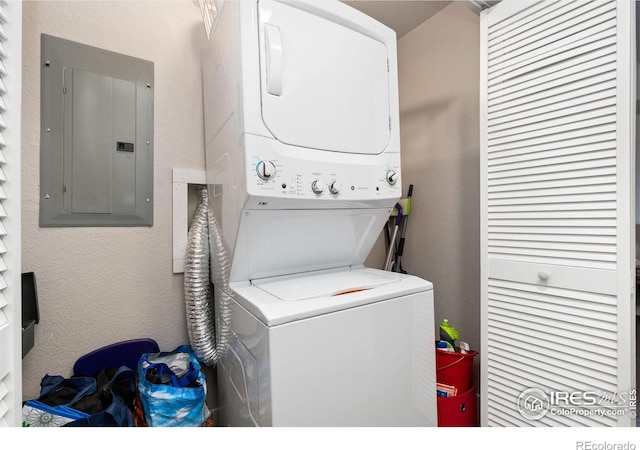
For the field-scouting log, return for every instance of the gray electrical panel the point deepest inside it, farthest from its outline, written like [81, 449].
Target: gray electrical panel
[96, 141]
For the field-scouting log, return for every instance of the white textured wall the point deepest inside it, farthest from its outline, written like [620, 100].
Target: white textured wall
[439, 119]
[97, 286]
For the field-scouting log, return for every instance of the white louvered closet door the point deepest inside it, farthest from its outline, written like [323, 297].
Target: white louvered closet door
[557, 119]
[10, 262]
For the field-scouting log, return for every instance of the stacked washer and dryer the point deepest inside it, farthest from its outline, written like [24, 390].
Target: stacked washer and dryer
[303, 171]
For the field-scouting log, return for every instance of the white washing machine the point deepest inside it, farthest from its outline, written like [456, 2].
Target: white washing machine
[303, 167]
[347, 347]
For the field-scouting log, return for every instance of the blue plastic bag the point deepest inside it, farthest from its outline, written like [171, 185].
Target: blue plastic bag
[172, 389]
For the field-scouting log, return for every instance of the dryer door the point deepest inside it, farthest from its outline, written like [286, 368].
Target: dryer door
[325, 77]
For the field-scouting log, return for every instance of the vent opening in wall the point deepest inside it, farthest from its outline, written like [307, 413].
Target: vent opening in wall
[96, 141]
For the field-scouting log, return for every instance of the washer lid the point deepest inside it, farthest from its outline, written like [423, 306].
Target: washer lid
[281, 300]
[330, 284]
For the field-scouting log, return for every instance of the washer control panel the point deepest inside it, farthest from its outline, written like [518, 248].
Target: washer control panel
[353, 177]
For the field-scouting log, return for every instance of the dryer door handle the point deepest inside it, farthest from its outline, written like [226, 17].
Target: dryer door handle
[273, 59]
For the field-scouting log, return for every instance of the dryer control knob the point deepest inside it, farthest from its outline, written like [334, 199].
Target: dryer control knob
[316, 187]
[335, 187]
[266, 170]
[391, 177]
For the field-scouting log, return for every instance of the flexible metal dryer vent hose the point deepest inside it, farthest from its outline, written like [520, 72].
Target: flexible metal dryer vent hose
[220, 273]
[198, 294]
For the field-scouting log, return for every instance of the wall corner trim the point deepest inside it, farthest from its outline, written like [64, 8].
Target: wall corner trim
[182, 178]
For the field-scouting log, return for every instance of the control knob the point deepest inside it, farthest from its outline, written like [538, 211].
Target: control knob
[391, 177]
[316, 187]
[266, 170]
[335, 187]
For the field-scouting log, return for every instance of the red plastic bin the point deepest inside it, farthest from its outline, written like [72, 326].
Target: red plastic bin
[455, 369]
[459, 411]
